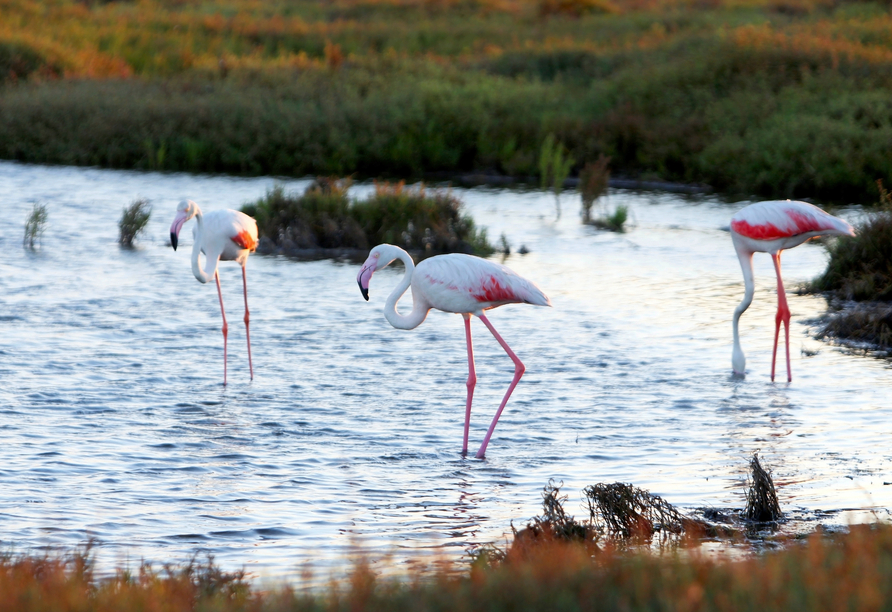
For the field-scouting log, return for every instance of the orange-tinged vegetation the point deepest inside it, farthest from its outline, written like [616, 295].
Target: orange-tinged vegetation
[785, 98]
[824, 573]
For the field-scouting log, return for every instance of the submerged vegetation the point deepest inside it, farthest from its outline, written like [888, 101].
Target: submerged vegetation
[324, 218]
[782, 98]
[35, 225]
[133, 221]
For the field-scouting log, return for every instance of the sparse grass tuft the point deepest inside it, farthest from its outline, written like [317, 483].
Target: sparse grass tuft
[35, 225]
[615, 221]
[761, 497]
[594, 179]
[133, 221]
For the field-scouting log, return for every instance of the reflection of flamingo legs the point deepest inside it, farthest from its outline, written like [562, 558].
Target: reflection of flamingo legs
[783, 314]
[519, 369]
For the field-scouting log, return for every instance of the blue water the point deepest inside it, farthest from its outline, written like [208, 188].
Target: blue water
[114, 424]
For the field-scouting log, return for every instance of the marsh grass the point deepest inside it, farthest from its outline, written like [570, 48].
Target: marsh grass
[851, 571]
[614, 221]
[424, 222]
[35, 226]
[786, 98]
[133, 221]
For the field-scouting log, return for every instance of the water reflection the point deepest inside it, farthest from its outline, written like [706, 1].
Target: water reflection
[113, 423]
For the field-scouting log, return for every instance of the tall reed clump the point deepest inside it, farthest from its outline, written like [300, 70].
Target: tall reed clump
[133, 221]
[594, 179]
[35, 225]
[324, 217]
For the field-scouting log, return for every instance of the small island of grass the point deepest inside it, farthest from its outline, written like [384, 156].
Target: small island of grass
[858, 281]
[325, 222]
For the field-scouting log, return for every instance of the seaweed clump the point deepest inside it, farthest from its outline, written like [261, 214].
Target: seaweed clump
[324, 221]
[761, 498]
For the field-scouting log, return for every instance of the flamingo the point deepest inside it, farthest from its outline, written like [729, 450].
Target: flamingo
[229, 235]
[770, 227]
[458, 283]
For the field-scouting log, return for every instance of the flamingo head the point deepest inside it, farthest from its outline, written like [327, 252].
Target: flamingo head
[185, 211]
[379, 257]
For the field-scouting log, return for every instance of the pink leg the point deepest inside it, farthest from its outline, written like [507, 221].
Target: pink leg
[518, 372]
[247, 319]
[783, 315]
[225, 326]
[472, 382]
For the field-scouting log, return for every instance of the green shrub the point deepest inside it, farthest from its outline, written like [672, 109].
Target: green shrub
[860, 268]
[323, 217]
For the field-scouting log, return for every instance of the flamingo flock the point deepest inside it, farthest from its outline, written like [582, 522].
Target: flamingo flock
[469, 286]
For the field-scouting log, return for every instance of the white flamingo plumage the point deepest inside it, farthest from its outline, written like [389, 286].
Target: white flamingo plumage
[227, 235]
[770, 227]
[462, 284]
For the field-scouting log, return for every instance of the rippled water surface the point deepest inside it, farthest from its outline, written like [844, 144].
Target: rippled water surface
[114, 424]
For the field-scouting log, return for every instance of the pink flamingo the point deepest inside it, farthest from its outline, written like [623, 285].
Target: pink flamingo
[770, 227]
[229, 235]
[457, 283]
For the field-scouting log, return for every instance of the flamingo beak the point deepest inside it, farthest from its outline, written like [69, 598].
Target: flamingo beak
[363, 278]
[175, 228]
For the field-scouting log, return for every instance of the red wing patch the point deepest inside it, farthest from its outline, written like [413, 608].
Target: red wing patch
[492, 291]
[799, 224]
[245, 240]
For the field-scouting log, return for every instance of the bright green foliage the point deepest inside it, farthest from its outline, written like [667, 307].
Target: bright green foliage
[424, 223]
[615, 221]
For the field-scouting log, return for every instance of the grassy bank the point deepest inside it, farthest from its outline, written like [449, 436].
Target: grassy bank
[323, 219]
[784, 98]
[858, 281]
[841, 572]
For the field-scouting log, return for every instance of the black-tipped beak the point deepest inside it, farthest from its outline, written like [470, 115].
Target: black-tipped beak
[365, 292]
[173, 242]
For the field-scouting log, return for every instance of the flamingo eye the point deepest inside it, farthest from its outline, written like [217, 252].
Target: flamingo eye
[377, 255]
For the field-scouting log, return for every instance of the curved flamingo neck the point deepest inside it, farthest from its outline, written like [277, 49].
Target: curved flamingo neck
[200, 274]
[419, 309]
[738, 360]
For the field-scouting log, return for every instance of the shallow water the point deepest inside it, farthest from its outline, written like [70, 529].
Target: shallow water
[114, 424]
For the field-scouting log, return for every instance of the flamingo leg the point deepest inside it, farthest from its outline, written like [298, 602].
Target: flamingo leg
[225, 326]
[472, 381]
[518, 372]
[247, 320]
[783, 316]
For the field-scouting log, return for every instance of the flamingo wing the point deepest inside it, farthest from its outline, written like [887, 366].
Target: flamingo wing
[464, 283]
[773, 220]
